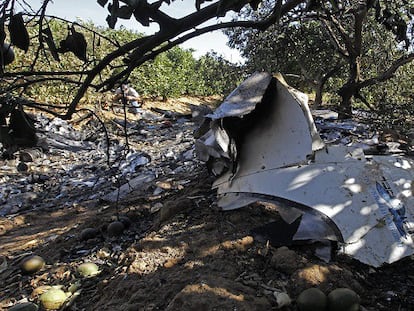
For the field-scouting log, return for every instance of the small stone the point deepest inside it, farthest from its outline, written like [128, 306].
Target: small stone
[32, 264]
[115, 228]
[25, 306]
[53, 299]
[282, 299]
[343, 299]
[88, 269]
[88, 233]
[312, 299]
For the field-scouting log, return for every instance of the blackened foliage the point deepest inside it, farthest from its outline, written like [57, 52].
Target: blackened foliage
[75, 42]
[18, 32]
[48, 37]
[139, 9]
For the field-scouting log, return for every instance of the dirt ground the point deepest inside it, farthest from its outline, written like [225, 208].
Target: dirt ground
[189, 255]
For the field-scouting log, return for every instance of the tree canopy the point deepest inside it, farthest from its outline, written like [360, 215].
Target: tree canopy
[343, 22]
[333, 38]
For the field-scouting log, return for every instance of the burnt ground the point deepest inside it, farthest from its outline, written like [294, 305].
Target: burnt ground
[178, 252]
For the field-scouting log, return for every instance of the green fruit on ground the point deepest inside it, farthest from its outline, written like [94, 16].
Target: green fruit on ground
[88, 269]
[53, 299]
[312, 299]
[32, 264]
[115, 228]
[343, 299]
[25, 306]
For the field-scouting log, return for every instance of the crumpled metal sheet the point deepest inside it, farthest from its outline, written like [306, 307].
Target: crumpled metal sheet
[373, 227]
[244, 98]
[367, 199]
[267, 109]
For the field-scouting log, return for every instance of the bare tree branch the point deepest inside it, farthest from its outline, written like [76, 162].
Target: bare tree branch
[389, 72]
[335, 40]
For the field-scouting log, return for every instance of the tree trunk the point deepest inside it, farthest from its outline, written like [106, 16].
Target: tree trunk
[349, 89]
[318, 95]
[346, 92]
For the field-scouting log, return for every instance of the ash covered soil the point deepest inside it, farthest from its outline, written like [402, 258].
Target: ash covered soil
[178, 250]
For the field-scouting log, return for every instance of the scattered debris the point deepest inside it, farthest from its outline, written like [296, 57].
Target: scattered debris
[71, 164]
[178, 250]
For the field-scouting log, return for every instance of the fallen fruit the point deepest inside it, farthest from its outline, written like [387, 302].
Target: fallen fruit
[312, 299]
[53, 299]
[25, 306]
[32, 264]
[88, 269]
[88, 233]
[343, 299]
[115, 228]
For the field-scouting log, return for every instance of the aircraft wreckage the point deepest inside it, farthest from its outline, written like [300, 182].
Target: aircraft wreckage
[263, 145]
